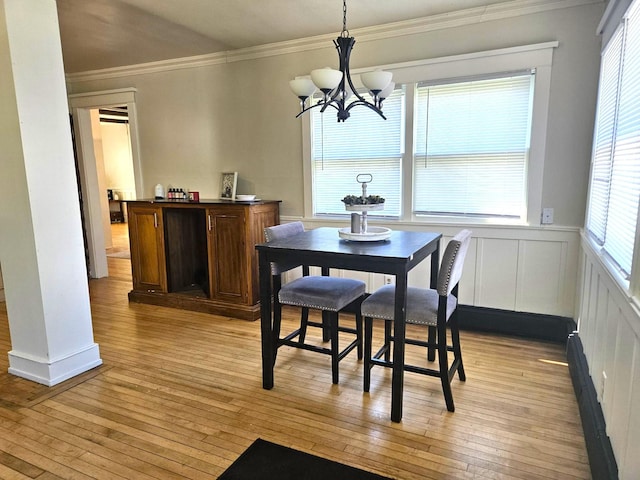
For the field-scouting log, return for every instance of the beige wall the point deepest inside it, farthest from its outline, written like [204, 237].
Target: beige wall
[195, 123]
[118, 164]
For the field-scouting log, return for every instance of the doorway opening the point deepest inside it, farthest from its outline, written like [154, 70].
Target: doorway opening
[114, 140]
[109, 171]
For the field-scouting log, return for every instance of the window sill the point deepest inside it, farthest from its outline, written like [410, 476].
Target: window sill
[439, 223]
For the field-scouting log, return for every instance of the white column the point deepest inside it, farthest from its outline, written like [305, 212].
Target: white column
[41, 243]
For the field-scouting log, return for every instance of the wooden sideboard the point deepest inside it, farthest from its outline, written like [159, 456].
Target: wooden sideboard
[199, 255]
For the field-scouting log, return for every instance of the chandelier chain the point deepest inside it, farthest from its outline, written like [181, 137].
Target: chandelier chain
[345, 32]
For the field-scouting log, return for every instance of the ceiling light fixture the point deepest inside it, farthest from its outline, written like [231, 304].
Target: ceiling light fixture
[337, 86]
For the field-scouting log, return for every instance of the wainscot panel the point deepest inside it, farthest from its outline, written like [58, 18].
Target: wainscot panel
[609, 329]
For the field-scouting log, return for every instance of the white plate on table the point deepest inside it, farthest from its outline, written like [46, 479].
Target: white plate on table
[373, 234]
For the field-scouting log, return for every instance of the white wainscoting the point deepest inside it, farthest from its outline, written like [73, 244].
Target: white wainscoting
[517, 268]
[609, 326]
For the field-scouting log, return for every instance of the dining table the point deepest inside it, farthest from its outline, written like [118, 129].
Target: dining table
[323, 247]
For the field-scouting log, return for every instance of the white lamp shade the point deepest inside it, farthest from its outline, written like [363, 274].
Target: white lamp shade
[387, 90]
[376, 80]
[302, 87]
[326, 78]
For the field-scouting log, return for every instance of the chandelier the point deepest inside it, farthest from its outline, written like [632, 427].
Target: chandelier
[336, 85]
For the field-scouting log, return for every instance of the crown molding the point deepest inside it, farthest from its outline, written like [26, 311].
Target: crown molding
[459, 18]
[150, 67]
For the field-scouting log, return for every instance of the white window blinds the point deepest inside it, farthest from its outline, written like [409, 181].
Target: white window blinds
[472, 145]
[603, 138]
[365, 143]
[615, 176]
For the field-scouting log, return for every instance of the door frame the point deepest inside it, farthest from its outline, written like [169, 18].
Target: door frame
[80, 106]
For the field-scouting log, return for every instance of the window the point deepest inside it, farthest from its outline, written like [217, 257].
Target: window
[365, 143]
[472, 145]
[481, 115]
[615, 171]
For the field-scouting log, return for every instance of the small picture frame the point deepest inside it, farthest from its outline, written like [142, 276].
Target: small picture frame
[228, 185]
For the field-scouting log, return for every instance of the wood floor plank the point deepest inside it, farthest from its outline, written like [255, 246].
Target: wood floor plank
[180, 396]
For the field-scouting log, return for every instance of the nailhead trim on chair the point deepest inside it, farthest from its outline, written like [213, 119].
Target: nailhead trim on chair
[452, 249]
[322, 293]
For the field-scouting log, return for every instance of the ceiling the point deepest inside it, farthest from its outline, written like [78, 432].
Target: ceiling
[98, 34]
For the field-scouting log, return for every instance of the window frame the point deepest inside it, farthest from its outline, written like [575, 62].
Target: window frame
[525, 80]
[629, 282]
[394, 124]
[536, 56]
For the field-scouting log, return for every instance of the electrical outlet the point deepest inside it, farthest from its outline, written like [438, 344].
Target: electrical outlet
[547, 216]
[388, 279]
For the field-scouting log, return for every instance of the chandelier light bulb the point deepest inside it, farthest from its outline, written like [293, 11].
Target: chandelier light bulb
[346, 94]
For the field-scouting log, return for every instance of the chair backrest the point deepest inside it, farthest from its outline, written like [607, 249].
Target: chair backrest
[452, 262]
[282, 231]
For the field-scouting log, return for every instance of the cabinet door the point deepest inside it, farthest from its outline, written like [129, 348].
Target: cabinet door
[227, 254]
[146, 235]
[260, 216]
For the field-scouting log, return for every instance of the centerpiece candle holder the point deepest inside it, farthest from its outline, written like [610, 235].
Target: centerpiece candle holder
[364, 203]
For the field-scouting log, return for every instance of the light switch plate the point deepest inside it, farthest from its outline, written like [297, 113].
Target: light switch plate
[547, 216]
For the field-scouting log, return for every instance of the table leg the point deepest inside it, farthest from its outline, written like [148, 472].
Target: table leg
[399, 328]
[435, 267]
[265, 321]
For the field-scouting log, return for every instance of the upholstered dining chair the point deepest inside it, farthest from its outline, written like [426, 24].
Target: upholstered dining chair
[429, 307]
[328, 294]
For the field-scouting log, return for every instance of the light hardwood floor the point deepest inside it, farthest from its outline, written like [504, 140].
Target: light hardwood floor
[180, 396]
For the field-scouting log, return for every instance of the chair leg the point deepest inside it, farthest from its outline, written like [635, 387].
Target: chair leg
[277, 313]
[304, 320]
[431, 350]
[387, 340]
[368, 338]
[277, 321]
[335, 347]
[443, 364]
[326, 327]
[359, 334]
[455, 340]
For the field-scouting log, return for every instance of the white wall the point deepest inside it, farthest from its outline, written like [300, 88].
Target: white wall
[98, 152]
[609, 325]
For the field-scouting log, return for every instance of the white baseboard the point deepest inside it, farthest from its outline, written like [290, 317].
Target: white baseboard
[51, 373]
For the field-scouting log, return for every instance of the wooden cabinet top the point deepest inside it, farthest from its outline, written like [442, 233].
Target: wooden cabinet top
[200, 203]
